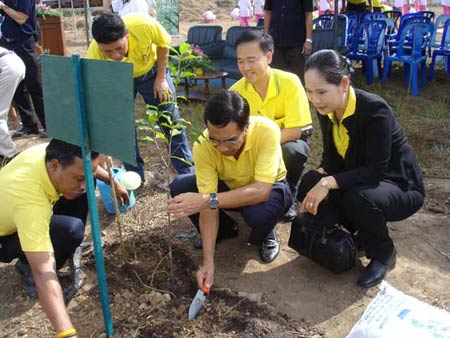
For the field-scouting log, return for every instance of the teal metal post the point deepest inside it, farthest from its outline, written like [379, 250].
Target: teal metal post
[93, 212]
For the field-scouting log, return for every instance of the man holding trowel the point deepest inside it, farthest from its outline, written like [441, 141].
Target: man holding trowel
[238, 165]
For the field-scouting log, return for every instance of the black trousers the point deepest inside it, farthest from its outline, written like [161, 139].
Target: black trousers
[29, 91]
[261, 217]
[67, 227]
[367, 209]
[295, 154]
[289, 59]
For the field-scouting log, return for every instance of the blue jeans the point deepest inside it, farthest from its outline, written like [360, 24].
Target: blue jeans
[179, 145]
[261, 217]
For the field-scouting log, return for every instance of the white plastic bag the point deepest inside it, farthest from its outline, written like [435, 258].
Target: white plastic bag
[392, 314]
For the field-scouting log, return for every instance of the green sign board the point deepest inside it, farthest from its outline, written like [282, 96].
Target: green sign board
[109, 104]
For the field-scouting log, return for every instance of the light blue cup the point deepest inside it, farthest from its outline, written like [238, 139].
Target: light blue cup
[107, 195]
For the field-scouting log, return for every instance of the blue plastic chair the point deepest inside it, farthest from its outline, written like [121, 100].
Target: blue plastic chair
[438, 25]
[411, 18]
[323, 22]
[414, 57]
[370, 52]
[342, 43]
[443, 50]
[428, 14]
[373, 16]
[395, 15]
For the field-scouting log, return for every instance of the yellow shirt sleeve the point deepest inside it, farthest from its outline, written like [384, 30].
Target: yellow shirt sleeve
[205, 168]
[297, 113]
[94, 52]
[157, 34]
[33, 227]
[269, 154]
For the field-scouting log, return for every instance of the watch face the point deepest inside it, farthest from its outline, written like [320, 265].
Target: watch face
[213, 202]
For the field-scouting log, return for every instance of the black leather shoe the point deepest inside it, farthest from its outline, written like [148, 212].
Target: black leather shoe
[25, 132]
[376, 271]
[269, 249]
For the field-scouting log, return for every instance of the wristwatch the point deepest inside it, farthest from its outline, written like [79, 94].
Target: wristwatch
[309, 40]
[324, 183]
[213, 201]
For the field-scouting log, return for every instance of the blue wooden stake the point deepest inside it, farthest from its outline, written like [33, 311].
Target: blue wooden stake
[93, 212]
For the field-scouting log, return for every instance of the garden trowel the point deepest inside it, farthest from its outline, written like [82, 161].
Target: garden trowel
[197, 302]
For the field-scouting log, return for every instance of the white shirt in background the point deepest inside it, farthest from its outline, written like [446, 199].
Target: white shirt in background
[258, 6]
[245, 8]
[132, 6]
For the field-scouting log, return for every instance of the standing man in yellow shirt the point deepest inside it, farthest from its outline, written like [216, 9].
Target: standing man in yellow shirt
[279, 96]
[238, 165]
[141, 40]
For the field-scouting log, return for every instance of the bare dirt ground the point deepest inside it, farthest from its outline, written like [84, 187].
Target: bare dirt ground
[291, 297]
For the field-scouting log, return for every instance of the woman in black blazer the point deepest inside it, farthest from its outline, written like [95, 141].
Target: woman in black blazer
[369, 174]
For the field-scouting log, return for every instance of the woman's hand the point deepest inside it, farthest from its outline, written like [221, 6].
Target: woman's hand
[313, 198]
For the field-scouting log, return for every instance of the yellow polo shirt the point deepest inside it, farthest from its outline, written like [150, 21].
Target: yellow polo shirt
[340, 133]
[26, 198]
[260, 160]
[285, 103]
[144, 35]
[356, 2]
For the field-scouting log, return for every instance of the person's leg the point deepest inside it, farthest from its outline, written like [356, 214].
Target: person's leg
[77, 208]
[295, 154]
[187, 183]
[179, 144]
[295, 61]
[263, 217]
[9, 248]
[66, 233]
[12, 71]
[369, 208]
[33, 77]
[22, 98]
[279, 58]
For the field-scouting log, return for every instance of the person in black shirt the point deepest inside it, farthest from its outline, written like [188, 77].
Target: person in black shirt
[18, 35]
[289, 22]
[369, 174]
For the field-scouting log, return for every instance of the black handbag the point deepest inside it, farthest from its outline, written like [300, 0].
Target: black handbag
[331, 246]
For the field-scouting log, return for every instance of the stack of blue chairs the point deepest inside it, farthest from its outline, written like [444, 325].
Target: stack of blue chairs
[443, 50]
[414, 40]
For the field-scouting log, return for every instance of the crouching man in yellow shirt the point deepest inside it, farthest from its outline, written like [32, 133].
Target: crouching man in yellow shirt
[238, 165]
[278, 95]
[30, 185]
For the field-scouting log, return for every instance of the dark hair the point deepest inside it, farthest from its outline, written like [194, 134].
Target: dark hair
[108, 28]
[265, 40]
[64, 152]
[227, 106]
[332, 66]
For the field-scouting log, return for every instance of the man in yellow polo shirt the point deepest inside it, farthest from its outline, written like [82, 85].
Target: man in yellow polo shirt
[39, 230]
[278, 95]
[238, 165]
[141, 40]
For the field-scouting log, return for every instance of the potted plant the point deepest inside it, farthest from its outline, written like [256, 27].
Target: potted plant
[188, 61]
[52, 36]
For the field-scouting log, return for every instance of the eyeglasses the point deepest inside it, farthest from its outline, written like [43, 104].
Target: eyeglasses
[230, 142]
